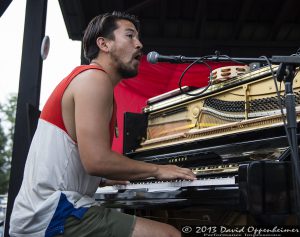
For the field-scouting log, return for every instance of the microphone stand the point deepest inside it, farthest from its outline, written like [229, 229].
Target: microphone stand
[286, 73]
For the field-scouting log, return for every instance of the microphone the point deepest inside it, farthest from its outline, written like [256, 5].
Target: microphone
[154, 57]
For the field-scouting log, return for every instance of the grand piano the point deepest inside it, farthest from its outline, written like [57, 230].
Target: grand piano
[231, 135]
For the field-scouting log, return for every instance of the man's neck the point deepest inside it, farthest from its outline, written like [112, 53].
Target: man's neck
[109, 69]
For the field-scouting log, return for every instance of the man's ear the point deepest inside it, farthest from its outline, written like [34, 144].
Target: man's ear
[103, 44]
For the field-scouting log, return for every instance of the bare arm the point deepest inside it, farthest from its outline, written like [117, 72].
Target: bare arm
[93, 98]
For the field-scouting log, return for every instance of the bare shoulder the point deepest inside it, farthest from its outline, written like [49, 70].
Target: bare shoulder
[89, 95]
[92, 80]
[92, 87]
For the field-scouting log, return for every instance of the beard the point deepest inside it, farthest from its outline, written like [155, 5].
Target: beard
[123, 69]
[126, 72]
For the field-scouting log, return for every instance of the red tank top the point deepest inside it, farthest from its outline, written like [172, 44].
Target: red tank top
[52, 111]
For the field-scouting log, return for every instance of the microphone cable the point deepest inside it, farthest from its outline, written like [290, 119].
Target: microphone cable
[199, 60]
[202, 60]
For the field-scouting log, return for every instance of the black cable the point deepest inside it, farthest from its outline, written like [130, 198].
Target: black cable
[279, 99]
[187, 68]
[202, 60]
[278, 95]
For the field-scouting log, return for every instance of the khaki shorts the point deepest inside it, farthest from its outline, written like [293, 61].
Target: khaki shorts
[99, 221]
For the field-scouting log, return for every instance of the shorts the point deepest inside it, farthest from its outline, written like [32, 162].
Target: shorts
[99, 221]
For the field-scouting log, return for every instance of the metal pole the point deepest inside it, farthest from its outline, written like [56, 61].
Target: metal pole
[28, 95]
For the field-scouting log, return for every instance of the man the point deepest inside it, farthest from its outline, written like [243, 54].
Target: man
[71, 149]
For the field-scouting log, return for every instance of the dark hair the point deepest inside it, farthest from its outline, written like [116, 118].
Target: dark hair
[103, 26]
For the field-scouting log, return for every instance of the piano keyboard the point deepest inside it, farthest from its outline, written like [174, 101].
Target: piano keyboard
[161, 186]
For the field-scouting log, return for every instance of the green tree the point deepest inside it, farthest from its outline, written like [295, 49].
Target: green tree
[3, 162]
[7, 122]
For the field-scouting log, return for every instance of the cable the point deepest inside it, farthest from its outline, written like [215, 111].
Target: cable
[201, 59]
[278, 95]
[187, 68]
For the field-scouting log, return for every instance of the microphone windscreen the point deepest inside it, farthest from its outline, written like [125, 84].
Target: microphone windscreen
[152, 57]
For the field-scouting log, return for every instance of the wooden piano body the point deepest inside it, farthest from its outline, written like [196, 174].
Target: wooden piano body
[232, 137]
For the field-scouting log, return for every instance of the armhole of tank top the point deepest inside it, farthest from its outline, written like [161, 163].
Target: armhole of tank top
[64, 90]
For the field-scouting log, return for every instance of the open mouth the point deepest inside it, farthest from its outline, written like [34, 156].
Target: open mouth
[138, 57]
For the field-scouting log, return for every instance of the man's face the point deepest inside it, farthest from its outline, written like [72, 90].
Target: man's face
[126, 49]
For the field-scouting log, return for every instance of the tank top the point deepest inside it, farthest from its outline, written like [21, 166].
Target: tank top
[55, 184]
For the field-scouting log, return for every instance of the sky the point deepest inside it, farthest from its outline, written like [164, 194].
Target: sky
[64, 53]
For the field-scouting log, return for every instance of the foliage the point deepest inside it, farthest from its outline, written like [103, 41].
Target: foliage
[7, 122]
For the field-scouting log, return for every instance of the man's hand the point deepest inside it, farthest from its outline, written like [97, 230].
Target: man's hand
[108, 182]
[169, 172]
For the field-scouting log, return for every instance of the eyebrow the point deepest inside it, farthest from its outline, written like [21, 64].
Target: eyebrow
[131, 30]
[134, 31]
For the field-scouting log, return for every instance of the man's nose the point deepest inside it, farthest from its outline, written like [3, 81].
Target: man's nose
[138, 44]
